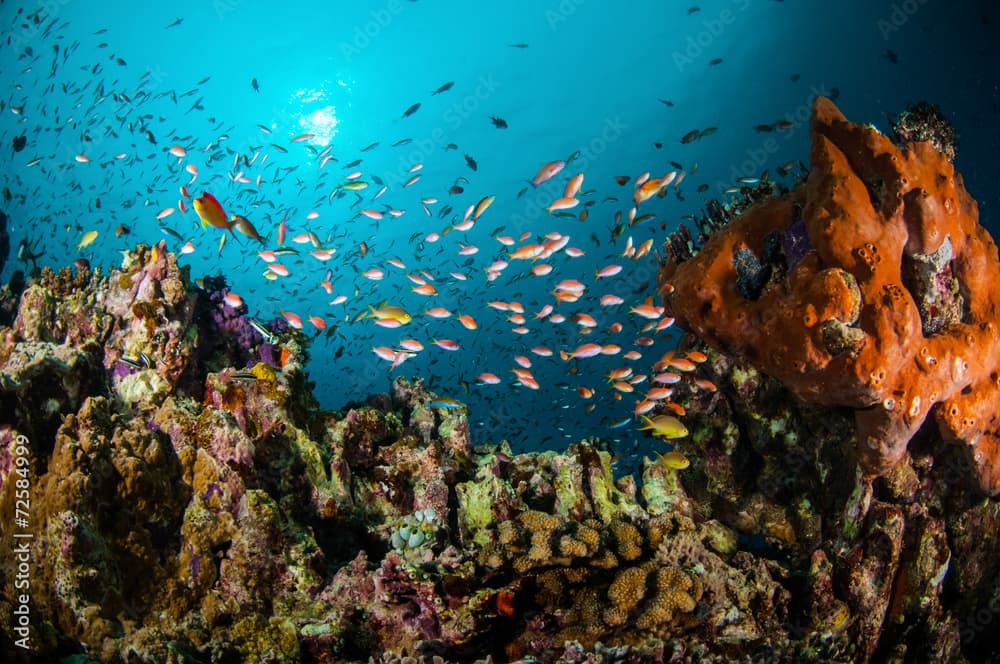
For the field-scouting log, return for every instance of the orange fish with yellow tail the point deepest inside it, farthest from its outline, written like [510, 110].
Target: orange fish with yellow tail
[211, 213]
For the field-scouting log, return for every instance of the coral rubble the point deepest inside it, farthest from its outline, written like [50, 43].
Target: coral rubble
[892, 310]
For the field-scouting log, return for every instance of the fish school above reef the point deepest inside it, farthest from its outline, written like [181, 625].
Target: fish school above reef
[833, 499]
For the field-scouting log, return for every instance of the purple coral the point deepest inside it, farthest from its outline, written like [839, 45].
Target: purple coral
[795, 242]
[122, 369]
[227, 328]
[212, 489]
[413, 602]
[195, 564]
[267, 355]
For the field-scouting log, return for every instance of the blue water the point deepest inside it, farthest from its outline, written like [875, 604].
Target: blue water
[590, 80]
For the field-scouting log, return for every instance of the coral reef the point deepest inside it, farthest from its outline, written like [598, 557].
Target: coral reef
[924, 121]
[189, 501]
[892, 310]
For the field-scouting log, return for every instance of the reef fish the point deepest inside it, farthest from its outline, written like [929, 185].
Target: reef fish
[390, 312]
[86, 240]
[547, 172]
[664, 426]
[211, 213]
[244, 225]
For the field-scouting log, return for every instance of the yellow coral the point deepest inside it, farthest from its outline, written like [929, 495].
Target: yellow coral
[615, 616]
[654, 615]
[571, 547]
[536, 521]
[539, 553]
[492, 556]
[589, 604]
[590, 538]
[551, 584]
[628, 588]
[576, 574]
[676, 592]
[507, 533]
[523, 564]
[628, 538]
[605, 560]
[263, 371]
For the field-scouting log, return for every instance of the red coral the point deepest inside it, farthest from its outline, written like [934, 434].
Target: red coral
[891, 311]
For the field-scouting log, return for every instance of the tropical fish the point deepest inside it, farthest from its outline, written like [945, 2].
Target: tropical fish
[691, 136]
[86, 240]
[586, 350]
[547, 172]
[293, 319]
[664, 426]
[243, 225]
[390, 312]
[573, 186]
[482, 206]
[444, 402]
[211, 213]
[672, 460]
[562, 204]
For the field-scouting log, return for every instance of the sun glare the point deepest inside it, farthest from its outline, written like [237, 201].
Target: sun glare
[321, 122]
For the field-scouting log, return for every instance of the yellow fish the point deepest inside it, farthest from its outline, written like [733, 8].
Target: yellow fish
[673, 460]
[482, 205]
[211, 213]
[86, 240]
[664, 426]
[391, 312]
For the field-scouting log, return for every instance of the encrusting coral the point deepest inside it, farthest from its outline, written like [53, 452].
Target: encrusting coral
[889, 309]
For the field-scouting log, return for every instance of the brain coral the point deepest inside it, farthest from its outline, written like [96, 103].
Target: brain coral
[871, 285]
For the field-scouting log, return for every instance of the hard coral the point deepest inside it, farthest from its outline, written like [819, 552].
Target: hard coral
[925, 122]
[892, 312]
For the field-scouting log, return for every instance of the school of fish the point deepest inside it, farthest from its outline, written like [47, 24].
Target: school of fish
[529, 306]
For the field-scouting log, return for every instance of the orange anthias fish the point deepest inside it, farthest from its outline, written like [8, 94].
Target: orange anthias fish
[547, 172]
[211, 213]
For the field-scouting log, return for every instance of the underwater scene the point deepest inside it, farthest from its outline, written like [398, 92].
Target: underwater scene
[531, 331]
